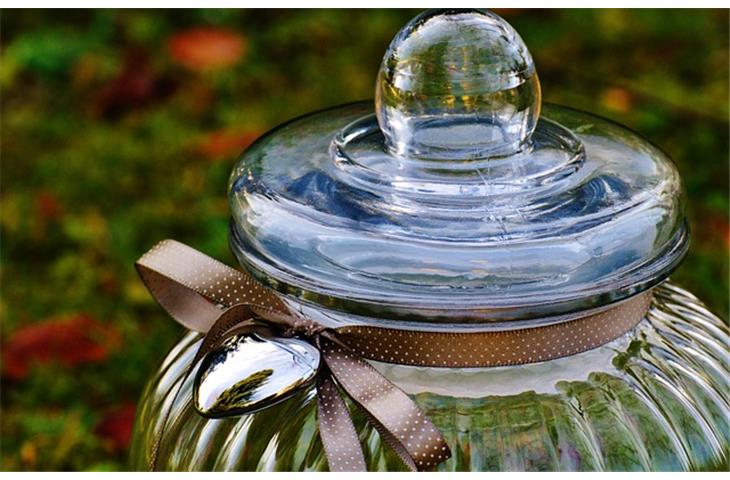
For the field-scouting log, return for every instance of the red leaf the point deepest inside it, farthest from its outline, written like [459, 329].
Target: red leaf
[116, 427]
[226, 143]
[617, 99]
[68, 341]
[206, 48]
[716, 227]
[47, 206]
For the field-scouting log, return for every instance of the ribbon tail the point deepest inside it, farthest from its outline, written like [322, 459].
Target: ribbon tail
[339, 437]
[399, 421]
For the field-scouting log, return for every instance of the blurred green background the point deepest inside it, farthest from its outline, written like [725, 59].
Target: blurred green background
[119, 128]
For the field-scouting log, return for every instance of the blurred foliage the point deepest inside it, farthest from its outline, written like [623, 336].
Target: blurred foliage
[119, 128]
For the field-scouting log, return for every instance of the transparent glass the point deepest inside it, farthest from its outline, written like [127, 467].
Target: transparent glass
[588, 214]
[457, 84]
[654, 399]
[460, 195]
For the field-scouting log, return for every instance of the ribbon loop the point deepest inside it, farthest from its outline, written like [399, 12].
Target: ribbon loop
[192, 287]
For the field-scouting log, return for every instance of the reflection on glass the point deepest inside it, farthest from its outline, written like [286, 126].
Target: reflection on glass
[250, 371]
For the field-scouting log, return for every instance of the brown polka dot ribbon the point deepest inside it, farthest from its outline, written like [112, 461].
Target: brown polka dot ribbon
[209, 297]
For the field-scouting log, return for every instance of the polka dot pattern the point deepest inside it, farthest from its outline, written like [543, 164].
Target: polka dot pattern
[191, 272]
[401, 423]
[173, 266]
[208, 296]
[495, 348]
[339, 438]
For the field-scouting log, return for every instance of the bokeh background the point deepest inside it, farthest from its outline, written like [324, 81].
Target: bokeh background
[119, 128]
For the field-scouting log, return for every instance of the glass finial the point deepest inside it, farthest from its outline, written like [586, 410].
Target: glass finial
[457, 84]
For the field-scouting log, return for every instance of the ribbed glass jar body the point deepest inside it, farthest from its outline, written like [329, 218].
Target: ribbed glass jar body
[654, 399]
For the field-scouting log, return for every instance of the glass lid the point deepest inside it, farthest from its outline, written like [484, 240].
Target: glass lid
[460, 198]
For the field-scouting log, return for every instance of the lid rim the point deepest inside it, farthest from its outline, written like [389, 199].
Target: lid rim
[674, 252]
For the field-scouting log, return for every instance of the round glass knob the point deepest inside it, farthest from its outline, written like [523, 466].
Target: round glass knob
[457, 84]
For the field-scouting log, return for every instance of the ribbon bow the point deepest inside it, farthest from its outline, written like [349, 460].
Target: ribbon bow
[209, 297]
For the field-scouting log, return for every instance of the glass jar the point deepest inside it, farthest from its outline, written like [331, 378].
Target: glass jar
[464, 204]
